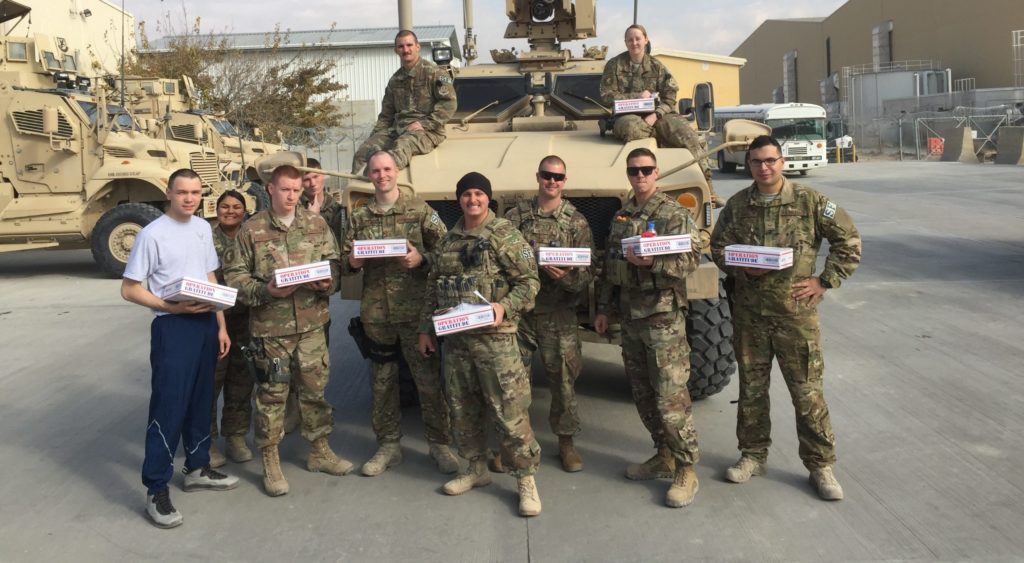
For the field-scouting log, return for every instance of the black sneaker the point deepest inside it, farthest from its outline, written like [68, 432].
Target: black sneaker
[208, 479]
[160, 510]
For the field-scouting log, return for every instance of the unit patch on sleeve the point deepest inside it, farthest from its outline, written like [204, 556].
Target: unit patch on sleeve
[830, 210]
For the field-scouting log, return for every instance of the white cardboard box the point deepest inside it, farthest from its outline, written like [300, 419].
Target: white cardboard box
[463, 317]
[384, 248]
[558, 256]
[764, 257]
[294, 275]
[194, 289]
[657, 245]
[640, 105]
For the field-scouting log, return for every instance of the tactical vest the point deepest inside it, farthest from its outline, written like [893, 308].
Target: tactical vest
[618, 271]
[467, 263]
[539, 232]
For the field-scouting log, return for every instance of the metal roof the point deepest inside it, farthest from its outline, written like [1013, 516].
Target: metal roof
[328, 38]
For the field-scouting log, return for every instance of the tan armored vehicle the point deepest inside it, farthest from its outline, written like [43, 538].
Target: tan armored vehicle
[76, 171]
[545, 101]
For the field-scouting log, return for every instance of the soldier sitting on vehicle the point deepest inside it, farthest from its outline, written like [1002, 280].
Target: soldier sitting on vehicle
[418, 101]
[637, 75]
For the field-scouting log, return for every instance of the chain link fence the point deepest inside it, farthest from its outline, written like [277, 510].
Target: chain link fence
[921, 135]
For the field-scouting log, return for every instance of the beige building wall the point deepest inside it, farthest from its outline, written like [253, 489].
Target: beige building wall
[690, 69]
[95, 38]
[970, 37]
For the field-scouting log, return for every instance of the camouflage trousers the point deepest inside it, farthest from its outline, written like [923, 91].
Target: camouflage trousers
[386, 414]
[796, 343]
[657, 361]
[403, 147]
[233, 378]
[557, 337]
[484, 376]
[305, 355]
[672, 131]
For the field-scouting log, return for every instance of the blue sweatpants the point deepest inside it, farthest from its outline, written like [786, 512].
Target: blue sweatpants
[183, 355]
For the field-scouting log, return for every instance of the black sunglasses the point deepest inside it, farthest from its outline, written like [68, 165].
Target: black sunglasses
[637, 170]
[551, 175]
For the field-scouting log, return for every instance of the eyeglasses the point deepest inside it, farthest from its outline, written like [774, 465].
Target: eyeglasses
[637, 170]
[555, 176]
[757, 162]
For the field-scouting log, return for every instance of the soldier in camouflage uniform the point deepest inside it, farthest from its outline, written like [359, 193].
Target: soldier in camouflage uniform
[649, 295]
[390, 308]
[636, 74]
[552, 327]
[287, 323]
[232, 375]
[775, 312]
[484, 374]
[418, 101]
[316, 199]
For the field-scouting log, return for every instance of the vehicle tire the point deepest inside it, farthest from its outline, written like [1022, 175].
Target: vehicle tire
[115, 232]
[803, 172]
[712, 358]
[728, 167]
[259, 192]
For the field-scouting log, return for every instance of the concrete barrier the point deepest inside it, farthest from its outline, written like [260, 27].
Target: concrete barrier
[1010, 149]
[959, 147]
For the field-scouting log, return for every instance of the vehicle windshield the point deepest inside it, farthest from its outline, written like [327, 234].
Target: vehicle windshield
[477, 93]
[224, 127]
[117, 117]
[804, 129]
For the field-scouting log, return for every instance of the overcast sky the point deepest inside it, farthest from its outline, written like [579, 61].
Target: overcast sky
[708, 26]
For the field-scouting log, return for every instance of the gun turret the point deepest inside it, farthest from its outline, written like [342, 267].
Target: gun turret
[545, 24]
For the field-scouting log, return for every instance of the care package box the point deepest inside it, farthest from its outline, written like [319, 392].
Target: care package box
[640, 105]
[294, 275]
[463, 317]
[657, 245]
[764, 257]
[383, 248]
[558, 256]
[194, 289]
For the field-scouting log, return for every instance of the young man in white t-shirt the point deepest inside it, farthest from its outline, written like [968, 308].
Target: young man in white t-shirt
[186, 338]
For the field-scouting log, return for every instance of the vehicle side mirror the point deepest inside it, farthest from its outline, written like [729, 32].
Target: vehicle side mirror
[704, 105]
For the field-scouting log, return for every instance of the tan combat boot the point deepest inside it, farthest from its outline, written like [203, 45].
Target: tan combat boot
[529, 498]
[386, 456]
[476, 475]
[826, 484]
[238, 451]
[322, 458]
[571, 460]
[661, 466]
[273, 479]
[684, 487]
[446, 461]
[744, 469]
[217, 459]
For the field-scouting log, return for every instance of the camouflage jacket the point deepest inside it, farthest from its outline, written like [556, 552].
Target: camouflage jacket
[563, 227]
[223, 243]
[621, 82]
[492, 259]
[661, 288]
[424, 93]
[798, 218]
[393, 293]
[264, 244]
[332, 211]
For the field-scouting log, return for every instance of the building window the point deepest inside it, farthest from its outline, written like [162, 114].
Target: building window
[789, 78]
[881, 45]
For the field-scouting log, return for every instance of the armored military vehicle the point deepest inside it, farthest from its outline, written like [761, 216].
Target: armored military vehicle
[76, 171]
[546, 101]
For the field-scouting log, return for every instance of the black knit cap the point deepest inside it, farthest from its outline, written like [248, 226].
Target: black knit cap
[473, 180]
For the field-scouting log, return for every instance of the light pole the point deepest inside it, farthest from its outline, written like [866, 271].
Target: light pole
[122, 54]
